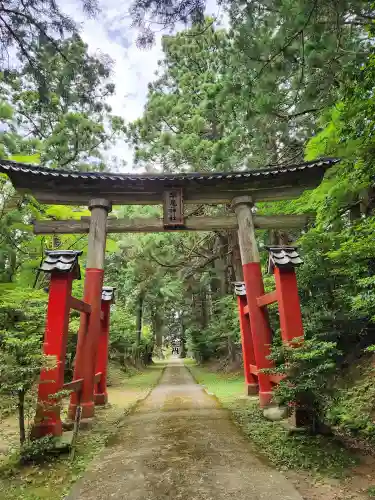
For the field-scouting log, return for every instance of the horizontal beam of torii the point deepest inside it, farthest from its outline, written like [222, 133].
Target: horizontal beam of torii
[153, 224]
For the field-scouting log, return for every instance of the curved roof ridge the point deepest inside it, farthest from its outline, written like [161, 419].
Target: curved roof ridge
[6, 165]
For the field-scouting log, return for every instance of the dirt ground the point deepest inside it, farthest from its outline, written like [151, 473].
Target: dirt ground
[180, 444]
[355, 487]
[118, 396]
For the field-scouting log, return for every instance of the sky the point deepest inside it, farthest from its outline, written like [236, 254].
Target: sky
[111, 33]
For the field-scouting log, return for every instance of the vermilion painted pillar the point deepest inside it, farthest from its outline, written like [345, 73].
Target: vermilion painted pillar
[283, 260]
[101, 396]
[260, 328]
[246, 340]
[47, 419]
[90, 327]
[289, 304]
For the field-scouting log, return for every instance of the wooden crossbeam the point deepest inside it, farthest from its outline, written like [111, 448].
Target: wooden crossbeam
[212, 196]
[266, 299]
[79, 305]
[155, 225]
[275, 378]
[74, 385]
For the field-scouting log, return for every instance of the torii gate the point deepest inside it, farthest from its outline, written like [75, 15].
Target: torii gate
[242, 189]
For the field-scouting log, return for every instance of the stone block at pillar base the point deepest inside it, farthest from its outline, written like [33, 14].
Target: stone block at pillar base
[101, 399]
[85, 423]
[300, 418]
[88, 410]
[265, 399]
[68, 425]
[251, 389]
[41, 429]
[64, 442]
[72, 412]
[275, 413]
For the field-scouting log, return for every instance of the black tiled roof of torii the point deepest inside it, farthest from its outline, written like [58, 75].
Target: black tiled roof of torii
[7, 165]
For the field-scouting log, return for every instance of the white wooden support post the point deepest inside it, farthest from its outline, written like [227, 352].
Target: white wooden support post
[97, 233]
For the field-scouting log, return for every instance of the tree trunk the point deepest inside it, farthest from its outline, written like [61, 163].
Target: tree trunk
[139, 318]
[157, 327]
[21, 416]
[279, 237]
[232, 354]
[204, 313]
[219, 281]
[182, 340]
[236, 256]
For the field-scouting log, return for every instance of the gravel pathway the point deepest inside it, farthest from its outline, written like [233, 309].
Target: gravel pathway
[180, 444]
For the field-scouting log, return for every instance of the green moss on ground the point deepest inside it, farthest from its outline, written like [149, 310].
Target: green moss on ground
[299, 451]
[53, 479]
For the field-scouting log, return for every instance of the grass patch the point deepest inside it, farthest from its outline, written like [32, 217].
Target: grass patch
[314, 453]
[54, 479]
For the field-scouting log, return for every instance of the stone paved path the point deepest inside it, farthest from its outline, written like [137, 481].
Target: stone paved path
[179, 444]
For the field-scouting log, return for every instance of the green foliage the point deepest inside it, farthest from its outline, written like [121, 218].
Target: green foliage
[123, 337]
[221, 336]
[34, 21]
[309, 368]
[59, 108]
[22, 319]
[352, 405]
[37, 450]
[184, 129]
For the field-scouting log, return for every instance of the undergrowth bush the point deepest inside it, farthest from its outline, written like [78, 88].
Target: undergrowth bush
[352, 407]
[308, 368]
[37, 450]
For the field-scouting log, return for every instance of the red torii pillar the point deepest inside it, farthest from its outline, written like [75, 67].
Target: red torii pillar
[283, 260]
[89, 334]
[101, 396]
[248, 357]
[260, 328]
[64, 268]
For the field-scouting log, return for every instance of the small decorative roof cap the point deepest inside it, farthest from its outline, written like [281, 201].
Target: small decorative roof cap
[108, 293]
[284, 257]
[63, 261]
[239, 288]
